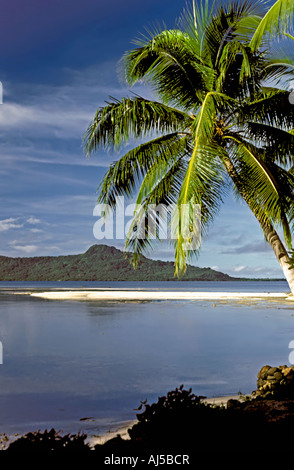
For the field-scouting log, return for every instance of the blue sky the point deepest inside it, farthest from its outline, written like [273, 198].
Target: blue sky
[58, 64]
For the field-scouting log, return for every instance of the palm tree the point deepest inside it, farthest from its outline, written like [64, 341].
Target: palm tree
[216, 125]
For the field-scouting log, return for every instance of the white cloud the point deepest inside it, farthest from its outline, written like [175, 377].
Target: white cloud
[238, 269]
[249, 248]
[8, 224]
[258, 271]
[59, 122]
[27, 249]
[215, 268]
[64, 111]
[33, 220]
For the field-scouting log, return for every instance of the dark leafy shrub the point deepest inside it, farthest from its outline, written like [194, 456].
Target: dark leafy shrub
[49, 441]
[182, 420]
[176, 417]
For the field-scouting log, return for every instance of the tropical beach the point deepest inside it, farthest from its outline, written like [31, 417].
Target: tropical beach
[147, 263]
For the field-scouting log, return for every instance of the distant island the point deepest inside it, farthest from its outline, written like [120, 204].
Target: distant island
[100, 263]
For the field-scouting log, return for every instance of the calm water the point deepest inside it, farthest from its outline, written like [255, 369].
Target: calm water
[67, 360]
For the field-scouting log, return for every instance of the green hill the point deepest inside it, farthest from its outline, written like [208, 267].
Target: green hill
[98, 263]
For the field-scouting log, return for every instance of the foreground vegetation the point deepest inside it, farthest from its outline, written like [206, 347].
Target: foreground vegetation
[183, 423]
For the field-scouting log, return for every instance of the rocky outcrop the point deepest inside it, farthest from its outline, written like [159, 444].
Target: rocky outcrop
[275, 382]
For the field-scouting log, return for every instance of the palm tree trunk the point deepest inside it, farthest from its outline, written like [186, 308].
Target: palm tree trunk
[270, 233]
[280, 252]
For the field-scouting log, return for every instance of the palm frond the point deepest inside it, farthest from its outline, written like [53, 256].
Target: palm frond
[272, 107]
[289, 36]
[202, 185]
[169, 63]
[262, 185]
[162, 165]
[235, 67]
[146, 226]
[277, 144]
[120, 121]
[232, 20]
[276, 21]
[124, 176]
[203, 130]
[195, 19]
[244, 187]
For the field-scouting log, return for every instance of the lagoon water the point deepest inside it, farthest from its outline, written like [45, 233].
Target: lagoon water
[64, 361]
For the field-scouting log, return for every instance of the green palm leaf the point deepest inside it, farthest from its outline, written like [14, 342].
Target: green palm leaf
[163, 195]
[169, 64]
[124, 176]
[276, 21]
[203, 129]
[267, 188]
[271, 107]
[277, 144]
[120, 121]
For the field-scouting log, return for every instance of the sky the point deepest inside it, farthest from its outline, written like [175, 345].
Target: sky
[59, 63]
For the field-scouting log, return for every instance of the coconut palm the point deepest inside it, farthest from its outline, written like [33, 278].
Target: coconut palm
[215, 126]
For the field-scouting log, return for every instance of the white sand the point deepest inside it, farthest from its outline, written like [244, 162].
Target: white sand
[112, 294]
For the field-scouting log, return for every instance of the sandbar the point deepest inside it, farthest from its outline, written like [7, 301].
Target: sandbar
[137, 295]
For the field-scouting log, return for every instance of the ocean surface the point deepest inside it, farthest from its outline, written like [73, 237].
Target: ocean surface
[64, 361]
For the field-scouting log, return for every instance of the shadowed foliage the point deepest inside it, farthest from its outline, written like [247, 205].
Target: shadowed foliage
[50, 441]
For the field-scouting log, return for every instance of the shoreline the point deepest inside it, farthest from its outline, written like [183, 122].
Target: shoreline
[122, 431]
[127, 295]
[93, 438]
